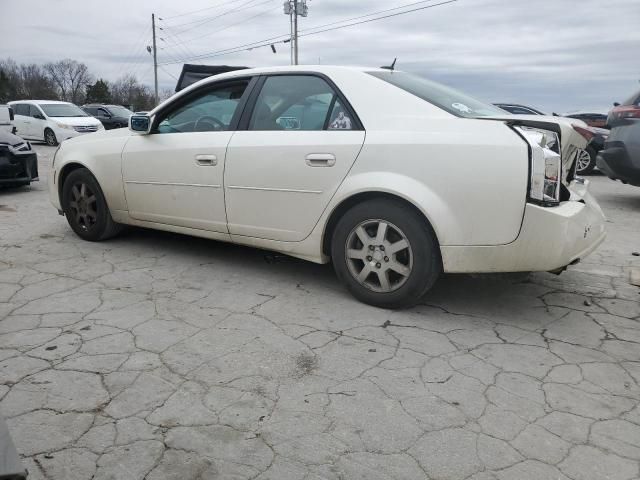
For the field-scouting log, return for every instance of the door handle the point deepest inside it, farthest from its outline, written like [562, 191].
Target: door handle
[206, 160]
[321, 160]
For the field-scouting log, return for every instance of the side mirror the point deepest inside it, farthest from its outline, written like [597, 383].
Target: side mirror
[39, 116]
[140, 123]
[616, 104]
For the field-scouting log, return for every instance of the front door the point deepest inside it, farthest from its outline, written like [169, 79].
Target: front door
[174, 175]
[37, 123]
[283, 169]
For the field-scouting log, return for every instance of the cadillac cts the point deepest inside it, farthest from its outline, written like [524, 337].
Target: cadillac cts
[393, 178]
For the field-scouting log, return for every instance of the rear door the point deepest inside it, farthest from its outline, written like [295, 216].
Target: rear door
[295, 145]
[37, 122]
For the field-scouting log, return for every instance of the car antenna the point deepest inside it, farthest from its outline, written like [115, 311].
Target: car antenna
[392, 66]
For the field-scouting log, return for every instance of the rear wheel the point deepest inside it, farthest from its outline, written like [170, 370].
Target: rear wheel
[85, 207]
[385, 253]
[586, 161]
[50, 137]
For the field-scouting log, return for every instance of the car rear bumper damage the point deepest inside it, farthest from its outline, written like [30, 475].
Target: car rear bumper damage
[550, 239]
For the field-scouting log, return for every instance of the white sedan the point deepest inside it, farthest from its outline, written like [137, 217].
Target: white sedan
[392, 177]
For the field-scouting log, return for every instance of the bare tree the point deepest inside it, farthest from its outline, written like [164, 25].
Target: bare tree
[70, 78]
[25, 81]
[128, 91]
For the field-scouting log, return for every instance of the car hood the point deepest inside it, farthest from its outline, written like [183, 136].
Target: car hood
[100, 135]
[7, 138]
[77, 121]
[570, 139]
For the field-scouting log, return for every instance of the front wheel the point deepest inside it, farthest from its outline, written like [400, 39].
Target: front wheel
[85, 207]
[385, 253]
[50, 137]
[586, 161]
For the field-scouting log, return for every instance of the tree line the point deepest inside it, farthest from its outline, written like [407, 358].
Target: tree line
[70, 81]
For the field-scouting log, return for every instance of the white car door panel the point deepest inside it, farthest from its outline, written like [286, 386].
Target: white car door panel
[278, 183]
[175, 174]
[296, 146]
[176, 178]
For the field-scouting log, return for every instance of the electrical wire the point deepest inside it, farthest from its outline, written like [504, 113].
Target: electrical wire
[274, 40]
[223, 4]
[218, 30]
[202, 21]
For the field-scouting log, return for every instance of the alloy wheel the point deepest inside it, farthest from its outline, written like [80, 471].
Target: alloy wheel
[379, 255]
[83, 205]
[584, 160]
[50, 138]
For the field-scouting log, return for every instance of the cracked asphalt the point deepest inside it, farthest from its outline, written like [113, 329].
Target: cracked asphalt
[161, 356]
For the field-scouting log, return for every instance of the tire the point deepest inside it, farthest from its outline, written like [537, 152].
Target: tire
[86, 210]
[50, 137]
[397, 279]
[586, 166]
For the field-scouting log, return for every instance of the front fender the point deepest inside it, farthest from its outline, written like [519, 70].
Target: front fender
[103, 158]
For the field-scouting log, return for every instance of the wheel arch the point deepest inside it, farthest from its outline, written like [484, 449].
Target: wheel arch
[64, 173]
[361, 197]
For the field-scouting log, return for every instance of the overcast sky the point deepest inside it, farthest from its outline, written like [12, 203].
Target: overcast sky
[557, 55]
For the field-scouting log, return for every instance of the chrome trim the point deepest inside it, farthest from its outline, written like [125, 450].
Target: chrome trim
[266, 189]
[173, 184]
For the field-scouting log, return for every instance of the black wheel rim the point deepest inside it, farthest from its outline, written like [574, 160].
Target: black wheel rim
[83, 206]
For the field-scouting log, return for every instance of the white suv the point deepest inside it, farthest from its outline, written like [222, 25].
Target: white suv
[51, 121]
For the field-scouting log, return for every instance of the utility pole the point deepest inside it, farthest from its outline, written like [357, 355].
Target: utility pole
[295, 9]
[155, 56]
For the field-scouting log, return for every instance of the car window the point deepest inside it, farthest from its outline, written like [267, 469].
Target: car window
[297, 102]
[633, 99]
[211, 111]
[446, 98]
[22, 109]
[102, 112]
[34, 111]
[518, 110]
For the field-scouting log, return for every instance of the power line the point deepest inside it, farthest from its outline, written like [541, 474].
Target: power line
[205, 20]
[278, 39]
[378, 18]
[203, 9]
[367, 15]
[259, 14]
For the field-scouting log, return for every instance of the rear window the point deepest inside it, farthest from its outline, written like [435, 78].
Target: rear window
[633, 100]
[448, 99]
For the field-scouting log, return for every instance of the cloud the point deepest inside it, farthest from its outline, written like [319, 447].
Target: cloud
[557, 55]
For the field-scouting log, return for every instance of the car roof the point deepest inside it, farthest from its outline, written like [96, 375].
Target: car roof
[38, 102]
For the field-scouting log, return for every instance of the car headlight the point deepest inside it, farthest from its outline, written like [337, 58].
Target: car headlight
[64, 125]
[546, 165]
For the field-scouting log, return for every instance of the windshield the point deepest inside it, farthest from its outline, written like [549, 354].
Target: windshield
[118, 111]
[62, 110]
[633, 99]
[448, 99]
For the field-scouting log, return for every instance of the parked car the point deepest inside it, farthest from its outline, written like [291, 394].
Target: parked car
[6, 119]
[585, 157]
[630, 108]
[18, 161]
[111, 116]
[517, 109]
[620, 158]
[51, 121]
[390, 176]
[593, 119]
